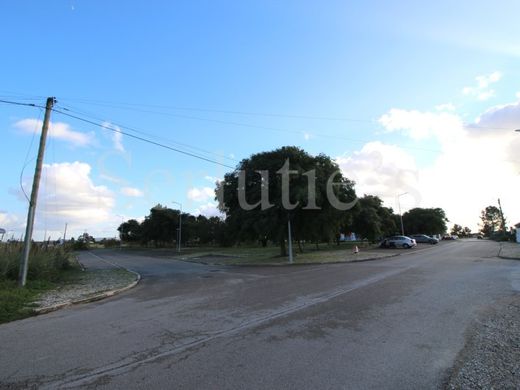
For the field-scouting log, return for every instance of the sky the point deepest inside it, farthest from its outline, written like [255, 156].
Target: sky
[416, 101]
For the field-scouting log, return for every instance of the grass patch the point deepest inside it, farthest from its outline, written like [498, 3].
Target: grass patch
[17, 303]
[48, 266]
[271, 254]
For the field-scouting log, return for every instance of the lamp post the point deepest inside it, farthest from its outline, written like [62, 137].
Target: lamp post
[180, 227]
[400, 214]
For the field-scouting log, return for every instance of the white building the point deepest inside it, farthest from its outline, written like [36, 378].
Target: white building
[517, 226]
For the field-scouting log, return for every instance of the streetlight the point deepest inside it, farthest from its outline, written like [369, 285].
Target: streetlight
[400, 214]
[180, 227]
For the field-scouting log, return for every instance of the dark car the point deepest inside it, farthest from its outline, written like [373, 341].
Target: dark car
[424, 239]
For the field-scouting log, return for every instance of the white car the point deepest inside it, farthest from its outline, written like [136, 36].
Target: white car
[398, 242]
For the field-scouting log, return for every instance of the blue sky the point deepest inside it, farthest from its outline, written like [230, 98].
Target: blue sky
[392, 90]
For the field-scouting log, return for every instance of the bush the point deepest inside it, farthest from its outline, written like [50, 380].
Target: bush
[46, 263]
[110, 243]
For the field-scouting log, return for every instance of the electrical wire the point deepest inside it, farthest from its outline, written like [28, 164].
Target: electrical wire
[139, 131]
[259, 127]
[141, 138]
[27, 161]
[132, 106]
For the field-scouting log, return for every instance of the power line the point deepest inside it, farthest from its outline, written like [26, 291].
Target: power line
[234, 112]
[142, 139]
[248, 125]
[21, 104]
[138, 131]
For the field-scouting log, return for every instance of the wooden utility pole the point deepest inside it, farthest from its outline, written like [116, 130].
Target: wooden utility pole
[22, 276]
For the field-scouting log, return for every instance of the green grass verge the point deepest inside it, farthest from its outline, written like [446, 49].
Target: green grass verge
[17, 303]
[271, 255]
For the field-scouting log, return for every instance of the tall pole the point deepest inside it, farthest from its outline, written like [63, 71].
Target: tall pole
[289, 241]
[24, 263]
[180, 227]
[400, 214]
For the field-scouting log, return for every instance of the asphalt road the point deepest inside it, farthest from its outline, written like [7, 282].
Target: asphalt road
[395, 323]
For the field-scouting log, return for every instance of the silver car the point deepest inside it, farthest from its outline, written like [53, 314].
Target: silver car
[398, 242]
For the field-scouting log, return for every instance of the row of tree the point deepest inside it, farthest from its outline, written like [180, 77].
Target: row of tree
[270, 189]
[161, 228]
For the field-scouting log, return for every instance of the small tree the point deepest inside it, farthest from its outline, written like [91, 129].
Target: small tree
[457, 230]
[491, 220]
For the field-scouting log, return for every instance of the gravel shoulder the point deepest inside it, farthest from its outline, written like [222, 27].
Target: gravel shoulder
[86, 286]
[491, 357]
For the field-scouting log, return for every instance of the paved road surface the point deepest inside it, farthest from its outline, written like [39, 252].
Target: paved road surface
[395, 323]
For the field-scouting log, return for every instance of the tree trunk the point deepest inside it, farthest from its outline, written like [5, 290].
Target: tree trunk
[283, 252]
[300, 247]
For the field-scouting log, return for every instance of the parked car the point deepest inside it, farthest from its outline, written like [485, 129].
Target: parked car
[450, 237]
[424, 239]
[398, 242]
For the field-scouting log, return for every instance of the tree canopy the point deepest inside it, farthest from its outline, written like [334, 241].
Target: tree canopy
[371, 220]
[268, 189]
[160, 228]
[492, 221]
[425, 221]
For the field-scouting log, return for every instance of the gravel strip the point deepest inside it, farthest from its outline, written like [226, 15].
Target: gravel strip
[491, 357]
[88, 284]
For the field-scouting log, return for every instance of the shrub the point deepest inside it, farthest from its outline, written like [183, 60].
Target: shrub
[45, 263]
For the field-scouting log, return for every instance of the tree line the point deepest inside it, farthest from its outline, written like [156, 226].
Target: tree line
[270, 189]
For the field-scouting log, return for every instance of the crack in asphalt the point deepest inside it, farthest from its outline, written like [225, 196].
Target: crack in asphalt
[126, 365]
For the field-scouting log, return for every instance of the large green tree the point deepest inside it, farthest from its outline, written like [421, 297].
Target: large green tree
[371, 220]
[425, 221]
[270, 188]
[130, 231]
[160, 226]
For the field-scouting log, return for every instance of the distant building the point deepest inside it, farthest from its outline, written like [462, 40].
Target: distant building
[517, 226]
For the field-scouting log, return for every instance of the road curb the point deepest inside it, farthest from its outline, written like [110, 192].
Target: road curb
[499, 255]
[96, 297]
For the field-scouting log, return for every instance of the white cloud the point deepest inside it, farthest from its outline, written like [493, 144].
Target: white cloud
[209, 209]
[213, 179]
[503, 118]
[10, 222]
[518, 95]
[445, 107]
[68, 195]
[201, 194]
[486, 95]
[58, 130]
[132, 192]
[117, 136]
[476, 165]
[420, 125]
[482, 91]
[383, 170]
